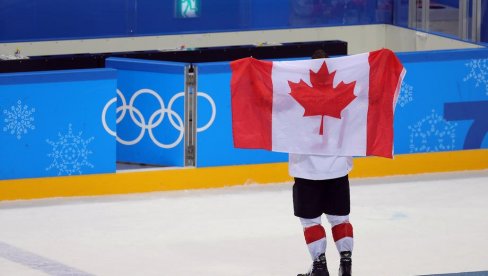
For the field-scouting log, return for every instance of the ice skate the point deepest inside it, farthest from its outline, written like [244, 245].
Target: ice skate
[319, 267]
[346, 263]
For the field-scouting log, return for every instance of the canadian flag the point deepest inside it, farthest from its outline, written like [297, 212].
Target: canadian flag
[334, 106]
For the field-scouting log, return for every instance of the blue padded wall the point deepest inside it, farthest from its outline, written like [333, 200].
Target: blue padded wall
[54, 123]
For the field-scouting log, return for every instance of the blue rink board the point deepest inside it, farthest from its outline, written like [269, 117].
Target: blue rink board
[442, 106]
[51, 123]
[149, 130]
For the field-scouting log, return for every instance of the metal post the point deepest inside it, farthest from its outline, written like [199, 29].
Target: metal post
[425, 15]
[190, 114]
[463, 20]
[412, 14]
[476, 21]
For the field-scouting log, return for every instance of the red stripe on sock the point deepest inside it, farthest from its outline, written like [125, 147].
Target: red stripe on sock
[341, 231]
[314, 233]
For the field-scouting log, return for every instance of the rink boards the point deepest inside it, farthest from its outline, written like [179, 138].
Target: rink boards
[69, 143]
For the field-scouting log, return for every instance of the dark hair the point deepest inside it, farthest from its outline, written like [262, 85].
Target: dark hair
[319, 53]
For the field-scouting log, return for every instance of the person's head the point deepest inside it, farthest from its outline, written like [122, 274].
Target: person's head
[319, 53]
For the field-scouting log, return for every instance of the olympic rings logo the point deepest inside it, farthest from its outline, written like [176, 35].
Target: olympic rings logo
[139, 120]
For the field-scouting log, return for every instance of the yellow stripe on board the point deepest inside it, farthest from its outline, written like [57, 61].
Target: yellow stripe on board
[402, 164]
[215, 177]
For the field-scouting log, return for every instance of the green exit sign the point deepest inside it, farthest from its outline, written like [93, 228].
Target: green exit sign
[187, 8]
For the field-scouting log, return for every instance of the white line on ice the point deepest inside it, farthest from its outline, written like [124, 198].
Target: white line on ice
[37, 262]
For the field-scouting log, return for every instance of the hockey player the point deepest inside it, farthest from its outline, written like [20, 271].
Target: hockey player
[322, 187]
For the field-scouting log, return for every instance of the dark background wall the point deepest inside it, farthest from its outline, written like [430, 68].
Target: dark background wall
[28, 20]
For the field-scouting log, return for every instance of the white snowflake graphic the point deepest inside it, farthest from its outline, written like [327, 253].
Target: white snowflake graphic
[479, 72]
[406, 94]
[70, 153]
[19, 119]
[432, 133]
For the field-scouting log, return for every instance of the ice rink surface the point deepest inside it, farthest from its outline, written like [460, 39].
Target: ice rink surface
[409, 225]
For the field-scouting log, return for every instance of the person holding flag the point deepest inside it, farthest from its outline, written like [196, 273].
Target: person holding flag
[322, 111]
[322, 187]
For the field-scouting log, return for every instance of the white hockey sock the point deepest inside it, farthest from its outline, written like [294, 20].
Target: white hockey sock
[342, 232]
[314, 234]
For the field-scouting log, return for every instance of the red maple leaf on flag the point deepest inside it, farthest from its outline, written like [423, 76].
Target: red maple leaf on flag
[322, 98]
